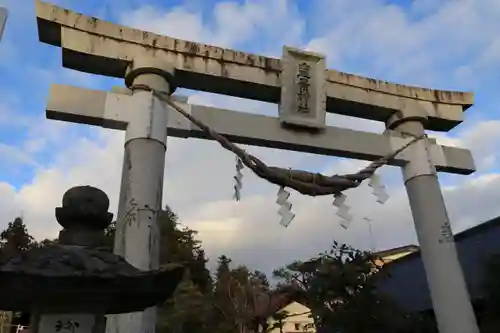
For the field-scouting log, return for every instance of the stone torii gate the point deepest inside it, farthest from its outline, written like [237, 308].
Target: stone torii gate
[304, 89]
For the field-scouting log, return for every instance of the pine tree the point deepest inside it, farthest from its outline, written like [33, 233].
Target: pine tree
[339, 286]
[194, 294]
[15, 239]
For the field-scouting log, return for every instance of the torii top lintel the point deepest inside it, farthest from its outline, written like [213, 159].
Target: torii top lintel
[99, 47]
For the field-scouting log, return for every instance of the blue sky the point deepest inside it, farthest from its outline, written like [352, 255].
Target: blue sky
[31, 66]
[436, 43]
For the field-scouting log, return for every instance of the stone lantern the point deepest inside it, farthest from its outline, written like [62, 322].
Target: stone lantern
[70, 286]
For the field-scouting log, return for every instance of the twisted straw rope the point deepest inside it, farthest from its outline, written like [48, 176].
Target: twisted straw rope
[308, 183]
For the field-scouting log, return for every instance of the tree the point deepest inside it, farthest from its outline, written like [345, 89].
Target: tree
[339, 288]
[261, 277]
[243, 299]
[176, 315]
[180, 245]
[223, 270]
[194, 294]
[47, 242]
[223, 314]
[15, 239]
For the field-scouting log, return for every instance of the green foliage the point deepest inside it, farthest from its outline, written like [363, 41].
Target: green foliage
[242, 298]
[47, 242]
[225, 306]
[193, 295]
[180, 245]
[261, 278]
[177, 314]
[15, 239]
[339, 288]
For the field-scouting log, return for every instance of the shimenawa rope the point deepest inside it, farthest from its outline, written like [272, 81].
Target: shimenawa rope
[308, 183]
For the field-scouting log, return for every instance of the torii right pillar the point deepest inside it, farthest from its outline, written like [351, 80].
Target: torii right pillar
[451, 301]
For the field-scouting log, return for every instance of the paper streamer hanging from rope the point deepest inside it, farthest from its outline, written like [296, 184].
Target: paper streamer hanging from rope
[285, 207]
[342, 210]
[378, 189]
[238, 183]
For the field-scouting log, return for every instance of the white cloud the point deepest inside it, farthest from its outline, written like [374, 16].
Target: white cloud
[395, 44]
[12, 154]
[379, 37]
[233, 23]
[248, 230]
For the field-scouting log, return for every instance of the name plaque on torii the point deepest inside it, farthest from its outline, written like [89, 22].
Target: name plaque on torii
[305, 91]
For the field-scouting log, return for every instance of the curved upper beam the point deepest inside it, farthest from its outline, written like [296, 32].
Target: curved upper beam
[95, 46]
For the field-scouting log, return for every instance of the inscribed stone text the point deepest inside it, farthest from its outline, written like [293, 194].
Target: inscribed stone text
[446, 233]
[131, 213]
[303, 84]
[67, 325]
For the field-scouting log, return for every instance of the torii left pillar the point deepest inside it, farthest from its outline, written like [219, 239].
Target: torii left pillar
[137, 236]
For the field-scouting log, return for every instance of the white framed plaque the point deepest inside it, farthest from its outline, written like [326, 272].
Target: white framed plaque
[66, 323]
[303, 91]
